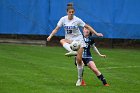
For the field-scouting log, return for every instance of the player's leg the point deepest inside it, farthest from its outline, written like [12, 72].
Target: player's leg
[79, 66]
[93, 67]
[100, 76]
[83, 82]
[66, 44]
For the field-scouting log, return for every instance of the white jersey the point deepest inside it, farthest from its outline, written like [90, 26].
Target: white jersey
[71, 28]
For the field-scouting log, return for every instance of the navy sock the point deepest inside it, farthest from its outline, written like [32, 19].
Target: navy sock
[101, 77]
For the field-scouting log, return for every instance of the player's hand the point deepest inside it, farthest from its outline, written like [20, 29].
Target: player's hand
[49, 38]
[104, 56]
[100, 34]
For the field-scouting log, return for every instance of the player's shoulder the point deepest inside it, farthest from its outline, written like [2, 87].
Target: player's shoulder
[76, 18]
[92, 39]
[64, 18]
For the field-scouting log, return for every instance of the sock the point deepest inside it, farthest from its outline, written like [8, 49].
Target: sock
[101, 77]
[67, 47]
[80, 71]
[83, 73]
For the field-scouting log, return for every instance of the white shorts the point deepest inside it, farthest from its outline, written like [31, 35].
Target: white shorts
[77, 38]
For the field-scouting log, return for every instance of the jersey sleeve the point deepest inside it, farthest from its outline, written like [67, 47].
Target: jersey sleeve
[60, 22]
[81, 23]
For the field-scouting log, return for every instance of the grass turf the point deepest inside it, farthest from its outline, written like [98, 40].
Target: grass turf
[37, 69]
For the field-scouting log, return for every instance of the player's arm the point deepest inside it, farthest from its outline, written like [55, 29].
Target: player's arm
[92, 30]
[97, 51]
[53, 33]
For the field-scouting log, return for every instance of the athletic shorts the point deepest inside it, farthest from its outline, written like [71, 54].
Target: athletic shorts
[77, 38]
[85, 60]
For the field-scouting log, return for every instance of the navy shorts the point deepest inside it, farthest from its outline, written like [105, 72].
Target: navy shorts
[85, 60]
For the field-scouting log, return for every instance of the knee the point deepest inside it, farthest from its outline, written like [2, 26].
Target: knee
[62, 41]
[79, 61]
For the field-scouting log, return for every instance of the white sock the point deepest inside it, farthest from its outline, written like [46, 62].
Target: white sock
[67, 47]
[80, 71]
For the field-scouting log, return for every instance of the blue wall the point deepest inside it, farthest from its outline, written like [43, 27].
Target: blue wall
[113, 18]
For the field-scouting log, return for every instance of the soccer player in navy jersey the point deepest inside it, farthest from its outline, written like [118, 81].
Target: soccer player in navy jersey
[87, 57]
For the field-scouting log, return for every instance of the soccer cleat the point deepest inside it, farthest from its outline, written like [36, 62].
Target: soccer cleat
[79, 82]
[83, 83]
[106, 85]
[71, 53]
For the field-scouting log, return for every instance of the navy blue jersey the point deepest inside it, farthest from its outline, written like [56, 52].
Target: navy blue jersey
[89, 41]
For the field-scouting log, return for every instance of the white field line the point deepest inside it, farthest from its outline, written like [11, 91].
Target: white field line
[120, 67]
[126, 67]
[65, 68]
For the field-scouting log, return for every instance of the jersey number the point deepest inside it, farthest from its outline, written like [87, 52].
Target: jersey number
[69, 31]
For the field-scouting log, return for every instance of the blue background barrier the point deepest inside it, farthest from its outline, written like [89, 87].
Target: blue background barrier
[113, 18]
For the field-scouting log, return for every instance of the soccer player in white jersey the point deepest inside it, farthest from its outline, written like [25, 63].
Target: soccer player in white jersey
[71, 25]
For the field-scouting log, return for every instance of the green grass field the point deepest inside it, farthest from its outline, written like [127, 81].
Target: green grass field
[39, 69]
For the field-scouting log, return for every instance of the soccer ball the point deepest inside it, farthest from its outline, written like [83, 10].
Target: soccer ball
[75, 45]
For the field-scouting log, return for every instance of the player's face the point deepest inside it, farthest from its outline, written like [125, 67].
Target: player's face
[86, 32]
[70, 13]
